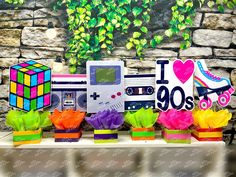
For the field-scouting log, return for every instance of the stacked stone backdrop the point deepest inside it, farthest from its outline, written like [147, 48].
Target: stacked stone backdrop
[23, 37]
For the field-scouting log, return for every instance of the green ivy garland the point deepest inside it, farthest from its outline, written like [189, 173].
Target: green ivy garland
[92, 24]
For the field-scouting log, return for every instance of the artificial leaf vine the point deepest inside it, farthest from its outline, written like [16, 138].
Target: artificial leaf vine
[93, 23]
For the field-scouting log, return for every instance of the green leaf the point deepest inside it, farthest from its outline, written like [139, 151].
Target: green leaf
[168, 33]
[109, 27]
[136, 35]
[181, 18]
[182, 26]
[114, 21]
[186, 36]
[96, 2]
[189, 21]
[144, 29]
[70, 11]
[129, 45]
[221, 8]
[230, 5]
[180, 3]
[110, 35]
[146, 18]
[122, 11]
[143, 42]
[136, 11]
[136, 42]
[72, 61]
[103, 46]
[109, 42]
[117, 25]
[101, 21]
[101, 31]
[211, 4]
[102, 38]
[102, 9]
[158, 39]
[137, 22]
[92, 23]
[127, 8]
[73, 69]
[153, 43]
[81, 10]
[185, 45]
[81, 29]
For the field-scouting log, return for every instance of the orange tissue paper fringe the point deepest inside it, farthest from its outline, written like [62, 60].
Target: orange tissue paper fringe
[211, 119]
[67, 119]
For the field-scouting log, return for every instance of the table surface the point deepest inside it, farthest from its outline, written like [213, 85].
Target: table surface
[124, 141]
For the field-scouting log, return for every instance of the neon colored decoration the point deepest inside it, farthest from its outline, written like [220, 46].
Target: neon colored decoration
[183, 70]
[30, 86]
[217, 89]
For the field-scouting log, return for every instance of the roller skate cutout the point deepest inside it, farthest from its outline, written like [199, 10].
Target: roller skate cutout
[210, 87]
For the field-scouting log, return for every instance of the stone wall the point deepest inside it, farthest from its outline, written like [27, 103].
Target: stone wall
[23, 36]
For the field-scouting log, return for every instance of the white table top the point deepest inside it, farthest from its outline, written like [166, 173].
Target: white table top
[4, 134]
[124, 141]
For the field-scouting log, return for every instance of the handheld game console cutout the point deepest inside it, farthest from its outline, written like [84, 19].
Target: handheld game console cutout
[105, 86]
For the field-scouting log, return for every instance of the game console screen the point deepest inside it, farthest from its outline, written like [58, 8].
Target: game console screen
[105, 75]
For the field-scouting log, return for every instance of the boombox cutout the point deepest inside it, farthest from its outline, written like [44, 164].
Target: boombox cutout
[139, 91]
[69, 92]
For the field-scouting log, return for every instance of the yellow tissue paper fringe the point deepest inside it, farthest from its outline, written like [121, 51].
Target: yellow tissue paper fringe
[211, 119]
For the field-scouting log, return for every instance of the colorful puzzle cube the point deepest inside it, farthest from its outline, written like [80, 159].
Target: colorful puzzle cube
[30, 86]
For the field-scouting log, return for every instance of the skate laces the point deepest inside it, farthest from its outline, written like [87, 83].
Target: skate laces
[212, 75]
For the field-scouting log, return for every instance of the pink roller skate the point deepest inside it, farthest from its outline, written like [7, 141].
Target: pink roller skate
[211, 88]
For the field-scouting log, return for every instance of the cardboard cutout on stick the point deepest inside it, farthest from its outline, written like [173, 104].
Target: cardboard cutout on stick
[69, 91]
[174, 84]
[105, 86]
[139, 91]
[211, 88]
[30, 86]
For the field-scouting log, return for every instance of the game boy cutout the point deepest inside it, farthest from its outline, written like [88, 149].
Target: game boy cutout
[69, 91]
[174, 84]
[139, 91]
[211, 88]
[105, 86]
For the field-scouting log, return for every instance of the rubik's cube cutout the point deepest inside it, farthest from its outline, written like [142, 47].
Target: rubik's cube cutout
[30, 86]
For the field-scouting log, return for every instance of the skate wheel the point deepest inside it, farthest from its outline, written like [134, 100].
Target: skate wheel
[224, 99]
[227, 94]
[205, 104]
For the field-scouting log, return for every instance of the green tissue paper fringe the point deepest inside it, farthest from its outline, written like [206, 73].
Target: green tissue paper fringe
[22, 121]
[143, 118]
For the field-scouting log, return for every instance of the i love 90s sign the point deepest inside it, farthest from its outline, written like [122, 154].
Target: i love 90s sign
[174, 84]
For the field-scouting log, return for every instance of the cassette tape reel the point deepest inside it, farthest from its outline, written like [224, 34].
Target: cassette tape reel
[134, 91]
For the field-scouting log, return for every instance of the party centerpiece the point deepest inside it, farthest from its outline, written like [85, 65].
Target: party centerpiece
[176, 126]
[208, 124]
[142, 123]
[105, 124]
[27, 127]
[67, 124]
